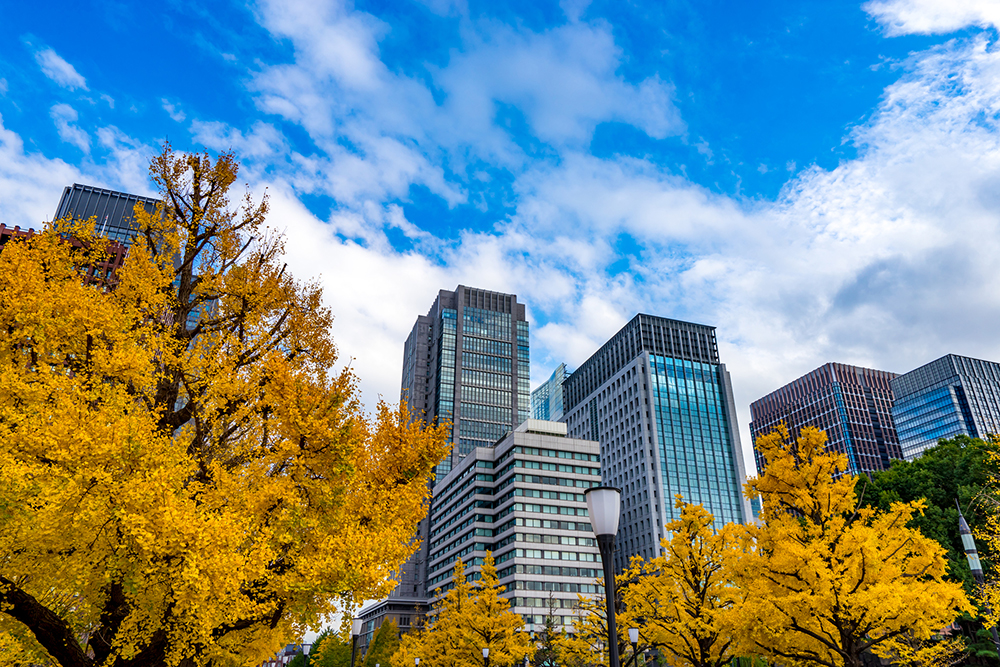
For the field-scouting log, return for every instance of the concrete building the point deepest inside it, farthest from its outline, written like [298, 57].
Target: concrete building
[852, 404]
[660, 402]
[547, 400]
[950, 396]
[522, 500]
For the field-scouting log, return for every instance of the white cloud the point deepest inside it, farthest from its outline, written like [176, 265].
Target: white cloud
[64, 116]
[3, 86]
[110, 100]
[173, 110]
[904, 17]
[60, 71]
[887, 260]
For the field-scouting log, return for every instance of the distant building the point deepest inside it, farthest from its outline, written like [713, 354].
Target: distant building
[114, 212]
[950, 396]
[852, 404]
[547, 400]
[523, 500]
[660, 402]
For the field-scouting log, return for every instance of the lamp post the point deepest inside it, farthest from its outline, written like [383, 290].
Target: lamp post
[972, 555]
[486, 657]
[604, 504]
[416, 662]
[355, 631]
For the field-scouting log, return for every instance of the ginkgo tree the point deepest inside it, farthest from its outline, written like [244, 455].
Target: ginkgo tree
[682, 601]
[471, 616]
[185, 476]
[822, 579]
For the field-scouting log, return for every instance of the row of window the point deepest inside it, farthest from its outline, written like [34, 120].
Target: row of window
[555, 555]
[488, 413]
[566, 540]
[555, 603]
[556, 453]
[549, 571]
[485, 362]
[486, 396]
[557, 587]
[485, 346]
[484, 379]
[556, 481]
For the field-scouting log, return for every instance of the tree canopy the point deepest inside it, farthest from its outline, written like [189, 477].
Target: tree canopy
[469, 618]
[185, 476]
[824, 579]
[682, 601]
[384, 644]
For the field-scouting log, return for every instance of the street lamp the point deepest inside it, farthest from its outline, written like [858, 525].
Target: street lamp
[972, 555]
[604, 504]
[416, 662]
[355, 631]
[486, 657]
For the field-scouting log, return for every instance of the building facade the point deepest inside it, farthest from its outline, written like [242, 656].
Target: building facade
[660, 402]
[114, 212]
[466, 362]
[950, 396]
[547, 400]
[852, 404]
[523, 501]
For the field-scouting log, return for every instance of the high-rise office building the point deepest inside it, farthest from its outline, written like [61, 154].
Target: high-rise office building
[852, 404]
[950, 396]
[464, 362]
[547, 400]
[114, 212]
[660, 402]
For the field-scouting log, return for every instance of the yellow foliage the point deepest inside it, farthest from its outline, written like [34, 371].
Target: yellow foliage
[905, 651]
[824, 580]
[184, 476]
[586, 645]
[468, 619]
[682, 601]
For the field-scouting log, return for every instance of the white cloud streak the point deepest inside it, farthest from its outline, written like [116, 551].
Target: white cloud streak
[60, 71]
[927, 17]
[64, 116]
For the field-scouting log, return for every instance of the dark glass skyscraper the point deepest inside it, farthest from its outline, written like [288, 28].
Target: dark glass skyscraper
[852, 404]
[950, 396]
[660, 402]
[466, 361]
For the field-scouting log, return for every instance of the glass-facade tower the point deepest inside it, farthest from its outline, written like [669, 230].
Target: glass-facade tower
[950, 396]
[660, 403]
[547, 400]
[852, 404]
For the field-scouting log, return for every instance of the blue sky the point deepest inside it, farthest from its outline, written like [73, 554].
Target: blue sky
[819, 180]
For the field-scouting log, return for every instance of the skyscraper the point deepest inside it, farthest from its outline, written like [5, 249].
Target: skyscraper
[950, 396]
[547, 400]
[466, 361]
[852, 404]
[660, 402]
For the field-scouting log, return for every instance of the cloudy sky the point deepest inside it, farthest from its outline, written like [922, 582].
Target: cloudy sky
[818, 179]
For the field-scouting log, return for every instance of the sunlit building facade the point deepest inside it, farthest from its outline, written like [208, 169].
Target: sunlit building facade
[660, 403]
[950, 396]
